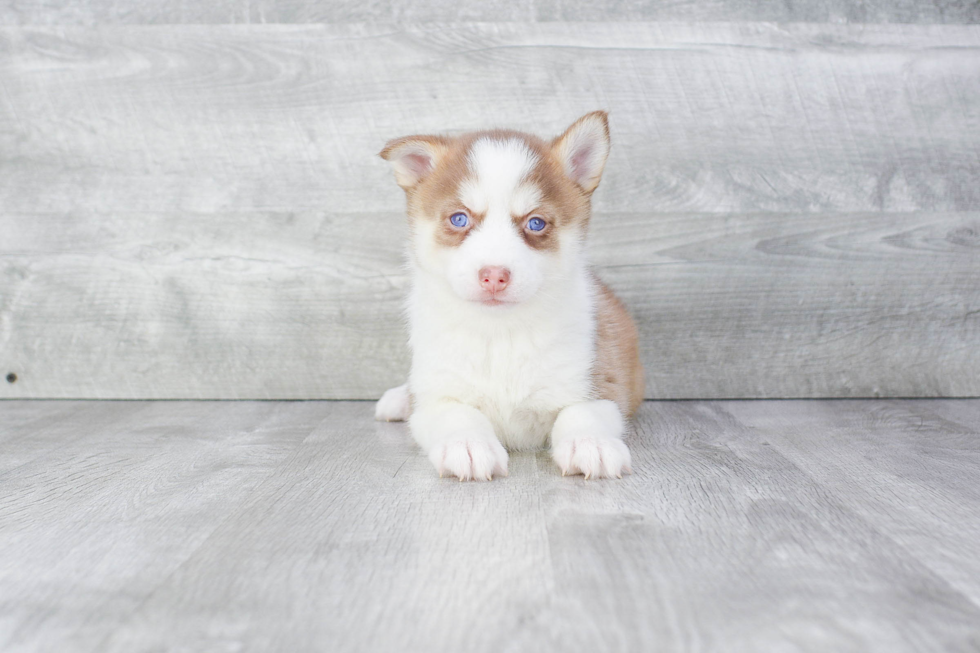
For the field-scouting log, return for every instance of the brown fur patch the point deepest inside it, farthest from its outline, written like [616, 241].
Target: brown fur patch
[618, 372]
[448, 235]
[561, 197]
[436, 196]
[546, 239]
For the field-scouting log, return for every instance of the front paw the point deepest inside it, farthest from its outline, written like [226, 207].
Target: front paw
[593, 457]
[469, 459]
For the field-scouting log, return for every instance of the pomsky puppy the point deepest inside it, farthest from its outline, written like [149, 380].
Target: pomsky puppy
[515, 342]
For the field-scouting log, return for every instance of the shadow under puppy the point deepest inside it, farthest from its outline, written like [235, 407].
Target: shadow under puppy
[515, 341]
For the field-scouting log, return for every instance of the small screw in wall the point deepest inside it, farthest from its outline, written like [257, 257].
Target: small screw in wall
[11, 378]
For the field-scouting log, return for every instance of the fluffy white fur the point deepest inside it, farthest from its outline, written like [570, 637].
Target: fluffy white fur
[395, 405]
[490, 378]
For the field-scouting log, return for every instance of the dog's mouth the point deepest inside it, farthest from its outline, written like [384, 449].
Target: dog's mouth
[495, 300]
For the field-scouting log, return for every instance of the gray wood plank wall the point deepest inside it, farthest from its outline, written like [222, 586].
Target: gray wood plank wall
[197, 211]
[92, 12]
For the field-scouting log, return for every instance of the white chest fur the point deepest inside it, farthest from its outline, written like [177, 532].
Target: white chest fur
[518, 365]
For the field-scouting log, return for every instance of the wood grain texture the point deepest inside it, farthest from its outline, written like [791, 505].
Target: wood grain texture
[96, 12]
[195, 306]
[308, 305]
[861, 457]
[198, 211]
[103, 513]
[705, 118]
[800, 305]
[748, 526]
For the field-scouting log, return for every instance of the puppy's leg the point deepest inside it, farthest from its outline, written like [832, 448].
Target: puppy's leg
[459, 440]
[587, 438]
[395, 405]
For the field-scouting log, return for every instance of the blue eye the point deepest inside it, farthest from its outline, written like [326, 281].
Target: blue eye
[535, 224]
[459, 220]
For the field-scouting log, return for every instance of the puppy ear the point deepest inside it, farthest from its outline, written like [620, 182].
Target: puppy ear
[414, 157]
[583, 148]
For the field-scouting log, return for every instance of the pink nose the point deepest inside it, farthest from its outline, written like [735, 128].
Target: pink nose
[494, 279]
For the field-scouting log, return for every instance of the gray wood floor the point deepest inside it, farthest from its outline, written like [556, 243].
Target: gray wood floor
[304, 526]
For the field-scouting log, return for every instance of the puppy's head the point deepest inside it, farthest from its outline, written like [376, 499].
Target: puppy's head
[500, 216]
